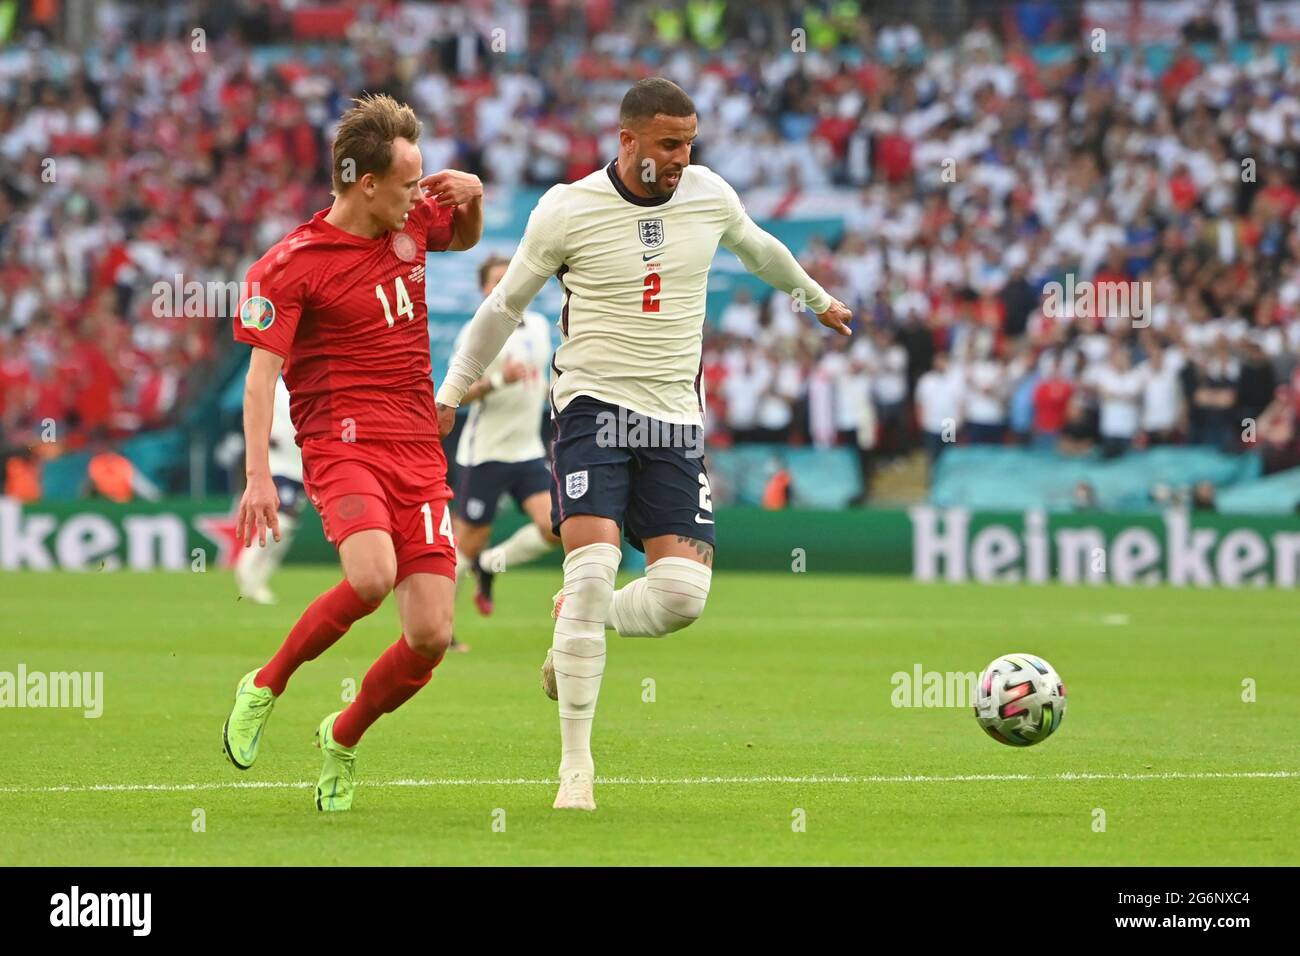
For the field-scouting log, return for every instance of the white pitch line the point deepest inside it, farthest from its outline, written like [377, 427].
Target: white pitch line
[660, 781]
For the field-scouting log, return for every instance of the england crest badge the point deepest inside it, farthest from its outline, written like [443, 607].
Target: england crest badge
[652, 232]
[575, 484]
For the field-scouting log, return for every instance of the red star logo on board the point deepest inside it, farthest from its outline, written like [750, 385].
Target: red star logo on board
[220, 529]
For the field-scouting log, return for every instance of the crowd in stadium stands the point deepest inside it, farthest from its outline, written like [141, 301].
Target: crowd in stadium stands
[973, 176]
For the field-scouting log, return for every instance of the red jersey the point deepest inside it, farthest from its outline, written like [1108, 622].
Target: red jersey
[348, 316]
[1051, 402]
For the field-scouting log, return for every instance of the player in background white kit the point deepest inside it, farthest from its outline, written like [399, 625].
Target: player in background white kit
[632, 245]
[254, 566]
[500, 450]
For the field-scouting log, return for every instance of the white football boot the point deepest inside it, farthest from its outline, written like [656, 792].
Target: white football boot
[575, 791]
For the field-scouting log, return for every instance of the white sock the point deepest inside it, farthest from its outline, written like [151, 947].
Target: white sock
[670, 597]
[254, 566]
[578, 647]
[526, 544]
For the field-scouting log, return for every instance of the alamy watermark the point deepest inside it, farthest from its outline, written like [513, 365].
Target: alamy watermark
[129, 910]
[922, 688]
[82, 690]
[199, 300]
[628, 429]
[1084, 299]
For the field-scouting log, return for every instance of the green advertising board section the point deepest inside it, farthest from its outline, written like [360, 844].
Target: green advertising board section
[1176, 547]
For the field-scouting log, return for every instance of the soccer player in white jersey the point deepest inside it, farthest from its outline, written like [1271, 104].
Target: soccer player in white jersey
[500, 450]
[255, 566]
[631, 245]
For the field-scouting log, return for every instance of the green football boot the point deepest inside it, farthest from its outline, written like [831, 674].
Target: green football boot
[242, 730]
[338, 775]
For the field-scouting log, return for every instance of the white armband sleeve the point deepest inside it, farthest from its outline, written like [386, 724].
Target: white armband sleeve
[487, 332]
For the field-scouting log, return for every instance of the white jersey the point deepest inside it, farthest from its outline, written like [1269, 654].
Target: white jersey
[285, 458]
[505, 424]
[635, 271]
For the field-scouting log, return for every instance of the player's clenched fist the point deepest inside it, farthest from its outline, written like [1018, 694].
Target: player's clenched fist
[258, 510]
[837, 317]
[451, 187]
[446, 419]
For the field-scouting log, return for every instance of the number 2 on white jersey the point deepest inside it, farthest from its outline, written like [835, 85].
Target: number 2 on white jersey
[404, 304]
[650, 294]
[444, 526]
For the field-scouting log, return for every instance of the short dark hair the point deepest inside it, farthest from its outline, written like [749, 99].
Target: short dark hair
[490, 263]
[649, 97]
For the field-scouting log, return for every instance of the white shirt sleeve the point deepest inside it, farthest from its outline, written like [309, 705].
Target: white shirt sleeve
[543, 246]
[539, 256]
[765, 256]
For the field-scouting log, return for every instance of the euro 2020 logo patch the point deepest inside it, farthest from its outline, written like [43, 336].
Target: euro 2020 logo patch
[651, 232]
[257, 312]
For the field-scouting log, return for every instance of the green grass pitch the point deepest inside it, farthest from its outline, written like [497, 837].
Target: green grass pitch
[777, 701]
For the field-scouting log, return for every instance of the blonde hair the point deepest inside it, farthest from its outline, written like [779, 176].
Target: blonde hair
[364, 143]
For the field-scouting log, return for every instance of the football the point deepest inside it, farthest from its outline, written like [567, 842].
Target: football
[1020, 700]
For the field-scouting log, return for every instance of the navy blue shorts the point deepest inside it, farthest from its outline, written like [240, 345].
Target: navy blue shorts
[481, 486]
[292, 495]
[645, 474]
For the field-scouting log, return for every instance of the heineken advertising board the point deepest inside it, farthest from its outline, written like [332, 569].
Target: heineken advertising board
[930, 544]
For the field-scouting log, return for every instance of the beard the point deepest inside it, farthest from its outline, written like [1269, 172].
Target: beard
[661, 185]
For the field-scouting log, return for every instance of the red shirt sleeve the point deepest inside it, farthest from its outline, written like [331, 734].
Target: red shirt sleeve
[275, 293]
[439, 234]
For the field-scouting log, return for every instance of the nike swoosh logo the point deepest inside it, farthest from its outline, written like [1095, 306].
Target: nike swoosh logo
[253, 744]
[652, 255]
[699, 520]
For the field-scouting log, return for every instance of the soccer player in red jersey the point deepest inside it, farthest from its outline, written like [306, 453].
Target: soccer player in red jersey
[339, 303]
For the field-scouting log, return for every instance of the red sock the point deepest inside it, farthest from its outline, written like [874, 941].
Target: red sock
[391, 681]
[328, 619]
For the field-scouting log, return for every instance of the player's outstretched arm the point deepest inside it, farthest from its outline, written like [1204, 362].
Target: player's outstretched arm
[260, 505]
[765, 256]
[509, 373]
[487, 332]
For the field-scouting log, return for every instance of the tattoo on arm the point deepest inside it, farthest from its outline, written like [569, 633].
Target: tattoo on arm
[703, 548]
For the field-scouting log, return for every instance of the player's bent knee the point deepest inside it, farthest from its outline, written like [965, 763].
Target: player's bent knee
[589, 574]
[676, 613]
[677, 589]
[372, 584]
[431, 640]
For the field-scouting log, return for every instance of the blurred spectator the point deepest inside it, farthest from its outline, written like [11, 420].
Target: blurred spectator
[1214, 395]
[1085, 497]
[1203, 496]
[985, 394]
[1162, 398]
[886, 363]
[939, 407]
[740, 317]
[1079, 436]
[23, 478]
[1119, 394]
[1051, 398]
[748, 378]
[1277, 432]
